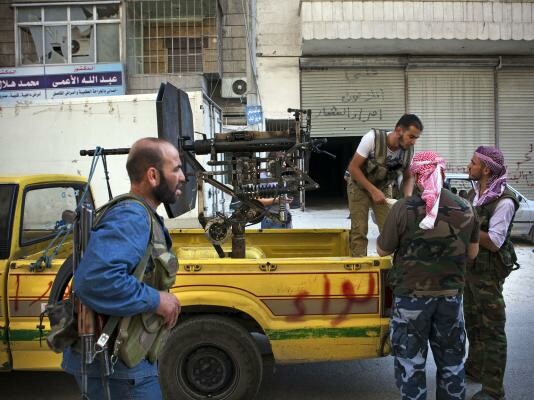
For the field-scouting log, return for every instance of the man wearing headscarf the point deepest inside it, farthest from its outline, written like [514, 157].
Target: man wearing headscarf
[485, 317]
[432, 235]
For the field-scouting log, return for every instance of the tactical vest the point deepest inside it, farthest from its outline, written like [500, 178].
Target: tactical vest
[143, 335]
[432, 261]
[504, 260]
[375, 169]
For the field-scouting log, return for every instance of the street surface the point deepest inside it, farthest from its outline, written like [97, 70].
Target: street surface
[362, 380]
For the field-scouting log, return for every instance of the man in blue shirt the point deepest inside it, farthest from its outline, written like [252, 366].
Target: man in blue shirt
[104, 282]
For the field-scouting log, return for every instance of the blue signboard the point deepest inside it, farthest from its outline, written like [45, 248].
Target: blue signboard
[254, 115]
[25, 84]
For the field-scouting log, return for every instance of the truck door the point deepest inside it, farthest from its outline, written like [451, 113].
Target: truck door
[29, 282]
[8, 195]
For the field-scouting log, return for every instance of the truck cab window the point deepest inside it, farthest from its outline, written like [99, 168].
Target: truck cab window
[43, 210]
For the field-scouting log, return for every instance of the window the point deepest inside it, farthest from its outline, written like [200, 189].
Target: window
[173, 36]
[73, 34]
[460, 186]
[43, 211]
[185, 54]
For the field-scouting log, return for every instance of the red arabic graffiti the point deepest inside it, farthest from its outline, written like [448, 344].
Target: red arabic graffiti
[347, 287]
[44, 294]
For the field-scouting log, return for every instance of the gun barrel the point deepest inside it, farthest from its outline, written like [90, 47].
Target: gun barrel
[86, 226]
[106, 152]
[241, 146]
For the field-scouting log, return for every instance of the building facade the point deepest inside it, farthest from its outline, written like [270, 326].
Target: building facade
[63, 49]
[465, 67]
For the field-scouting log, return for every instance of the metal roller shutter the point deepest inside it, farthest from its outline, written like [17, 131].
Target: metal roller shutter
[456, 106]
[515, 122]
[349, 102]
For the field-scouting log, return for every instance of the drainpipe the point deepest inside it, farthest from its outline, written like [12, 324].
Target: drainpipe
[496, 100]
[253, 97]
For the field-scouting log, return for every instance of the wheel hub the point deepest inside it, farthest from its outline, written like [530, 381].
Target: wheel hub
[209, 370]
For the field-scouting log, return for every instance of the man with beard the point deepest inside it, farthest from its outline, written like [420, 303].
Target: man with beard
[381, 159]
[127, 232]
[485, 315]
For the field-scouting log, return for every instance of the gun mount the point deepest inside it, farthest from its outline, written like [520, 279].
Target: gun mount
[244, 165]
[250, 165]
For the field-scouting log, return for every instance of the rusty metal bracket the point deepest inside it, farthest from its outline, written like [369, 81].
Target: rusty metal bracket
[192, 267]
[268, 267]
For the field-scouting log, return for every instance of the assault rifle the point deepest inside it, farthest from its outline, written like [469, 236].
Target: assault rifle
[87, 319]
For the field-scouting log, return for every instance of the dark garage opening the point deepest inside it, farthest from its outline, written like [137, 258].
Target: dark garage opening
[328, 172]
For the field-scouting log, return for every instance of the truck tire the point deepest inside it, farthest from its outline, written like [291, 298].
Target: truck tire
[61, 282]
[210, 357]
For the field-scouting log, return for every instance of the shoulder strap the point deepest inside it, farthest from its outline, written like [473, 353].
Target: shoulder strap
[101, 211]
[380, 145]
[471, 195]
[408, 154]
[507, 194]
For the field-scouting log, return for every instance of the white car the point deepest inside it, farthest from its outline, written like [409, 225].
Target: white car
[523, 225]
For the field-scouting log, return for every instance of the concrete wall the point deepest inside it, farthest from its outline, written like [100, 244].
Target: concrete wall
[278, 51]
[150, 83]
[234, 38]
[46, 137]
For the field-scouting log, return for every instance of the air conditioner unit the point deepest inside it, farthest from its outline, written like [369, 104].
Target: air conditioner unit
[81, 41]
[81, 47]
[234, 87]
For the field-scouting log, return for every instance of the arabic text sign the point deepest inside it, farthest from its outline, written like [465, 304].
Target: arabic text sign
[254, 115]
[22, 83]
[53, 82]
[84, 80]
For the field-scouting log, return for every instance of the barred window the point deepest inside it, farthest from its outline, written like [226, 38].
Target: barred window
[70, 34]
[173, 36]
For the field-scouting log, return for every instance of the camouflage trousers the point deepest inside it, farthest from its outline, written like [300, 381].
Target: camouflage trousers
[485, 319]
[360, 202]
[415, 322]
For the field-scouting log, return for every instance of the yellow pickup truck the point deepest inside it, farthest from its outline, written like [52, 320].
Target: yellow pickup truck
[299, 288]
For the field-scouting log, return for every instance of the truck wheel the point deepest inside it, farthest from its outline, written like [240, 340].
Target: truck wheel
[210, 357]
[61, 282]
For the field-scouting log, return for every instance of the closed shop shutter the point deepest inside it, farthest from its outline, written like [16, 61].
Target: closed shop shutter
[515, 123]
[351, 101]
[456, 106]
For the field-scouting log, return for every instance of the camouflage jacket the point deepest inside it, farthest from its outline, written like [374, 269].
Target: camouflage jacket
[433, 261]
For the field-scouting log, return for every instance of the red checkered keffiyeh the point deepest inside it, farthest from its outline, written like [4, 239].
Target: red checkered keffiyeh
[427, 166]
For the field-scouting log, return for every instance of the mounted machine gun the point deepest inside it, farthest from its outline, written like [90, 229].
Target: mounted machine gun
[245, 165]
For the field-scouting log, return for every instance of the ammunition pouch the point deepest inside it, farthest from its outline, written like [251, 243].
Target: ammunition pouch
[64, 326]
[499, 264]
[140, 337]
